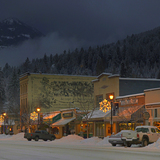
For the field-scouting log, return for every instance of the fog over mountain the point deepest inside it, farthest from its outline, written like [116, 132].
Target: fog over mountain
[19, 41]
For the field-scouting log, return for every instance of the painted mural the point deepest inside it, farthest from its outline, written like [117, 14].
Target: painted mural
[60, 94]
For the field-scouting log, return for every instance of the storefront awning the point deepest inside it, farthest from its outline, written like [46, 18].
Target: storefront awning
[132, 113]
[63, 121]
[51, 118]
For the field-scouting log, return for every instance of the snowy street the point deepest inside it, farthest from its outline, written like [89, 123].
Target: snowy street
[71, 147]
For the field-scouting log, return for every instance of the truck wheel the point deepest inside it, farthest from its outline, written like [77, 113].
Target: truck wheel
[113, 144]
[127, 144]
[36, 138]
[52, 139]
[45, 139]
[144, 142]
[29, 139]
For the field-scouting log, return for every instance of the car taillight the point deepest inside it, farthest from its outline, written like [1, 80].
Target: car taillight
[137, 135]
[31, 134]
[121, 135]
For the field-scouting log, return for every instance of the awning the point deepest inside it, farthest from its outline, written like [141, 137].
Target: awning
[51, 118]
[63, 121]
[128, 114]
[96, 115]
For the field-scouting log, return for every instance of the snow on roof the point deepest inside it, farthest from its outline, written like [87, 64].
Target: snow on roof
[156, 103]
[50, 115]
[114, 75]
[28, 73]
[132, 95]
[97, 114]
[151, 89]
[10, 122]
[139, 79]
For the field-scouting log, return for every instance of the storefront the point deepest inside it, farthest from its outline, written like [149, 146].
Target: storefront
[98, 124]
[152, 99]
[131, 109]
[66, 124]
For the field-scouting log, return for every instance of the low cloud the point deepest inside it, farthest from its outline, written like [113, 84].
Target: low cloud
[50, 44]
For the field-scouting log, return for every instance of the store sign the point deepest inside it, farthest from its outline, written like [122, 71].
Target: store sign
[129, 101]
[146, 115]
[68, 114]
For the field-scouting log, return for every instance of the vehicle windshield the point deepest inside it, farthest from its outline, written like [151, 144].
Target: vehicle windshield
[143, 130]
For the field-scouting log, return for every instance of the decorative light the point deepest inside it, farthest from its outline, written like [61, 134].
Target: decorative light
[34, 116]
[1, 118]
[105, 105]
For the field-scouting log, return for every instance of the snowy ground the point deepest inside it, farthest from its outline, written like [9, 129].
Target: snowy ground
[15, 147]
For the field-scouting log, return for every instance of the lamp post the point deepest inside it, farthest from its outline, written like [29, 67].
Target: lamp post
[38, 110]
[111, 99]
[4, 116]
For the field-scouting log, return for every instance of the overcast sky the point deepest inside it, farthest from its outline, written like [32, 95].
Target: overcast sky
[68, 24]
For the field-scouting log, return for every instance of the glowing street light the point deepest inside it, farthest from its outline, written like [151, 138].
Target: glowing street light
[111, 97]
[4, 117]
[38, 110]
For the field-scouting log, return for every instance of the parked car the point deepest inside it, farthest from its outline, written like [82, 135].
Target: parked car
[115, 139]
[39, 135]
[142, 135]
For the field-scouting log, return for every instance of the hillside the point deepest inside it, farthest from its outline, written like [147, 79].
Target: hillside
[135, 56]
[13, 32]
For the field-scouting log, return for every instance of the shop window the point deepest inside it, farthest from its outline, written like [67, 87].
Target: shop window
[100, 129]
[55, 130]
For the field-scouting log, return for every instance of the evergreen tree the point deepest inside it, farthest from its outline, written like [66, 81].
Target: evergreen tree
[2, 91]
[13, 94]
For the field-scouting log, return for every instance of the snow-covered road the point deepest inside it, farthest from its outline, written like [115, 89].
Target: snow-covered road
[71, 147]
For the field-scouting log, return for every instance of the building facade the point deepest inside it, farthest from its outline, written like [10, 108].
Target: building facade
[131, 96]
[152, 105]
[52, 93]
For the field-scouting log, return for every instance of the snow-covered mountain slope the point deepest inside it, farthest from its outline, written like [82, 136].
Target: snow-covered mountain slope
[13, 32]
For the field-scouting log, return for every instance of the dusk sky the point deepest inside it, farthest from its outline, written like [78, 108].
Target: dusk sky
[70, 24]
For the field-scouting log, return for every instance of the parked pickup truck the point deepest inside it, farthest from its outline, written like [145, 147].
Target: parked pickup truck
[39, 135]
[142, 135]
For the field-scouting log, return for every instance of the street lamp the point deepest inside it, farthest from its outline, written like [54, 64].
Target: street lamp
[4, 117]
[38, 110]
[111, 99]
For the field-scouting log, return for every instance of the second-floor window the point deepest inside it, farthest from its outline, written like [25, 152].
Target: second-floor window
[155, 113]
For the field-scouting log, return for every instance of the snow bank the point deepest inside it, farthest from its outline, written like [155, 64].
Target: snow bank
[76, 140]
[69, 139]
[19, 136]
[91, 141]
[4, 136]
[104, 142]
[155, 145]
